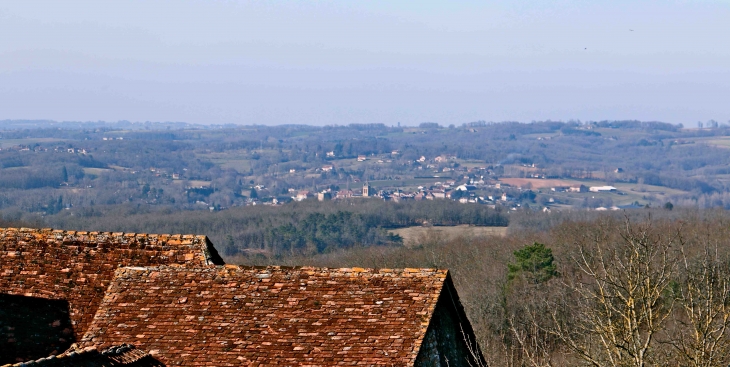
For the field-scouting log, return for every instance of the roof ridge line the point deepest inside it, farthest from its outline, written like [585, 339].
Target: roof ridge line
[50, 231]
[269, 268]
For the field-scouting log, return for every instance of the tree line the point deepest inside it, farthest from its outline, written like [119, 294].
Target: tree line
[301, 228]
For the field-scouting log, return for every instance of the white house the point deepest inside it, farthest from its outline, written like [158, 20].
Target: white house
[602, 189]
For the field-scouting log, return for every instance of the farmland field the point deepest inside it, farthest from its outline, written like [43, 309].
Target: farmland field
[717, 142]
[96, 171]
[413, 235]
[6, 143]
[537, 183]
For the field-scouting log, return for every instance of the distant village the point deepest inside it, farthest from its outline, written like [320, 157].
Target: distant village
[481, 184]
[256, 175]
[465, 193]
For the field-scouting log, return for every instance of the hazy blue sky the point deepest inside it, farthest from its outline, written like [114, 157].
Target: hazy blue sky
[341, 62]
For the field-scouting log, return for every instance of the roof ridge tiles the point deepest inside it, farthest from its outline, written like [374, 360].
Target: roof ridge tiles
[283, 269]
[49, 231]
[175, 240]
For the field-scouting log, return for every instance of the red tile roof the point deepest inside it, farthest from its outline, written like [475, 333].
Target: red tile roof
[228, 315]
[122, 355]
[78, 266]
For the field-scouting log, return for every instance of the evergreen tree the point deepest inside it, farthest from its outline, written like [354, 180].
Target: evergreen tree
[534, 263]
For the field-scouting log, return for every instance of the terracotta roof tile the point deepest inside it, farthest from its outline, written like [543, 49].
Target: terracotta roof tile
[122, 355]
[78, 266]
[227, 316]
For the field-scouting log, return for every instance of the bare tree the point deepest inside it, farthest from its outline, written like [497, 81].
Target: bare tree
[615, 301]
[700, 337]
[535, 346]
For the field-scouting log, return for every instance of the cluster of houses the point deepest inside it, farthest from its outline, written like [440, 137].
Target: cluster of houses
[583, 188]
[436, 164]
[469, 192]
[38, 148]
[463, 193]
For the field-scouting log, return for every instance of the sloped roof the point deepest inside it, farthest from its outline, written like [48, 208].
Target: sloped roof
[122, 355]
[78, 266]
[231, 315]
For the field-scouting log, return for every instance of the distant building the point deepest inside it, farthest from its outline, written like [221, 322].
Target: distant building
[362, 158]
[366, 190]
[326, 195]
[303, 195]
[579, 188]
[602, 189]
[344, 194]
[328, 168]
[397, 197]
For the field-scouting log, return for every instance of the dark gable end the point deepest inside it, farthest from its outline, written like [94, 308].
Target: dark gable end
[40, 267]
[450, 339]
[274, 316]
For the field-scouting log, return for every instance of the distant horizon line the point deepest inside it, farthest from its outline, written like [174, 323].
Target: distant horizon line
[392, 125]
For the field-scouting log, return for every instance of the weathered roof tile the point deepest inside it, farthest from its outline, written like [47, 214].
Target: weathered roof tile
[78, 266]
[270, 316]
